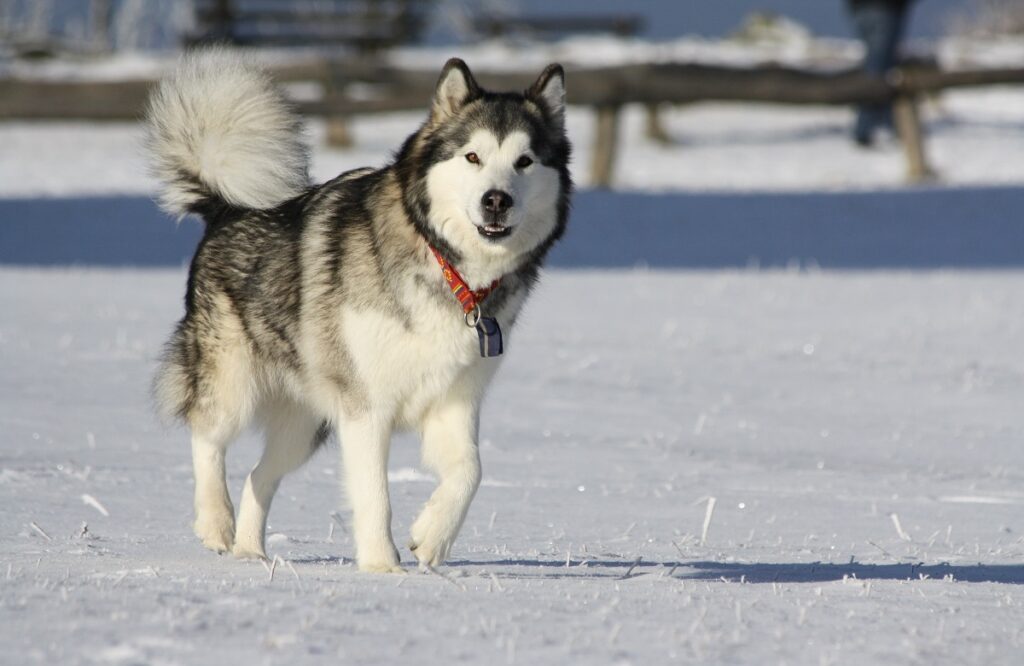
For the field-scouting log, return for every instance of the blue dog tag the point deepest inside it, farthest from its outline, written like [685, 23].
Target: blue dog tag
[490, 337]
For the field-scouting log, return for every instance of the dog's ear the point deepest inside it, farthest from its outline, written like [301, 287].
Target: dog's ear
[549, 90]
[455, 87]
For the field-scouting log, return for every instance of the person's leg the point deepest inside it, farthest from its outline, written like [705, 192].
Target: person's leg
[880, 26]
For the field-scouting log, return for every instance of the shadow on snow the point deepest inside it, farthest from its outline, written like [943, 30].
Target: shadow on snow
[913, 228]
[753, 572]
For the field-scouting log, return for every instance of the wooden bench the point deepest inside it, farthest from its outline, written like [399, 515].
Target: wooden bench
[556, 26]
[364, 25]
[41, 42]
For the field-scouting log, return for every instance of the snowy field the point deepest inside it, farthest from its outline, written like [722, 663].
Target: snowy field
[860, 433]
[732, 465]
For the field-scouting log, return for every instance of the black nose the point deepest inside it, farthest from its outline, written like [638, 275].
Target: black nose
[496, 202]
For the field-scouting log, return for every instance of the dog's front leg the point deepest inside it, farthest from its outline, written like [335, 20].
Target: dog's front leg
[365, 442]
[450, 449]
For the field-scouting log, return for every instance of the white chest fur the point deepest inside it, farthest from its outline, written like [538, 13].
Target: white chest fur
[405, 363]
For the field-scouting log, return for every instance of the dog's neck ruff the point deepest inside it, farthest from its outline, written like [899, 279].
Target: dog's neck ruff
[468, 298]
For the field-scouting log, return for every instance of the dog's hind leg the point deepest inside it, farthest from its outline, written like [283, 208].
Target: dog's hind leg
[293, 433]
[224, 387]
[450, 449]
[215, 515]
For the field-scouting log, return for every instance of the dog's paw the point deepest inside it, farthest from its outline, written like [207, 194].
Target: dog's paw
[431, 540]
[380, 560]
[248, 543]
[216, 530]
[249, 552]
[381, 568]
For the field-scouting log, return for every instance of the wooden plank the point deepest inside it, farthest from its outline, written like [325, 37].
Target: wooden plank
[934, 80]
[311, 16]
[92, 100]
[626, 25]
[399, 90]
[376, 24]
[655, 83]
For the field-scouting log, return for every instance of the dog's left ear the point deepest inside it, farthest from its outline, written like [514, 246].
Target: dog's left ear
[549, 90]
[455, 87]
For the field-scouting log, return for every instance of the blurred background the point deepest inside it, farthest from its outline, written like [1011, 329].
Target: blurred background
[727, 133]
[150, 24]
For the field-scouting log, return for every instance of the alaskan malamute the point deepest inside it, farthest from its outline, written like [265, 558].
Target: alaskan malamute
[375, 301]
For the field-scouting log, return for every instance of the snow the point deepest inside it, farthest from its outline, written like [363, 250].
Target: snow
[812, 407]
[721, 466]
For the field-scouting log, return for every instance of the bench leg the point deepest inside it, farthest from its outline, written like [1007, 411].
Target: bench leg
[605, 144]
[908, 126]
[656, 131]
[339, 133]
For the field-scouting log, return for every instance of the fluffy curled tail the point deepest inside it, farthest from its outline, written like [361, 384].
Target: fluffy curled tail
[221, 134]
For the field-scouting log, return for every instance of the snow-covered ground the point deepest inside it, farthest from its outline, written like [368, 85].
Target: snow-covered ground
[860, 434]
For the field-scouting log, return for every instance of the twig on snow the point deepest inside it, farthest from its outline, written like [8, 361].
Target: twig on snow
[629, 572]
[295, 573]
[271, 568]
[336, 517]
[899, 528]
[89, 500]
[884, 551]
[432, 570]
[707, 520]
[40, 530]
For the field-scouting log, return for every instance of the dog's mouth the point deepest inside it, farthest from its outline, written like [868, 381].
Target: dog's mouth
[494, 231]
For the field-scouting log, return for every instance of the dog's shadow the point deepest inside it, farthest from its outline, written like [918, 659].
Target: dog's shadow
[752, 572]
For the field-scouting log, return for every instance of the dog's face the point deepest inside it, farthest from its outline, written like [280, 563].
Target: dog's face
[494, 181]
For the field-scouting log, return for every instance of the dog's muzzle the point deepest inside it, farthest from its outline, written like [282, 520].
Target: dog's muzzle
[495, 205]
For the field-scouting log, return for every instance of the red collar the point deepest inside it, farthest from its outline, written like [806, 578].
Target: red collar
[469, 299]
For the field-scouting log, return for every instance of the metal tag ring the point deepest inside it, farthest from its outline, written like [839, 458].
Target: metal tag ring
[473, 317]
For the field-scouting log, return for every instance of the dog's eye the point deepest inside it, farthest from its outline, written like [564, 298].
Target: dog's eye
[523, 162]
[472, 158]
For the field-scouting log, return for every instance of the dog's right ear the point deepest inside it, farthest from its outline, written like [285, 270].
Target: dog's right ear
[455, 87]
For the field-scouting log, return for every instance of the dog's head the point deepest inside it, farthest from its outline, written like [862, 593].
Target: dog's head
[486, 178]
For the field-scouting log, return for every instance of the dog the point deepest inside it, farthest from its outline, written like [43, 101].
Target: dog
[380, 300]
